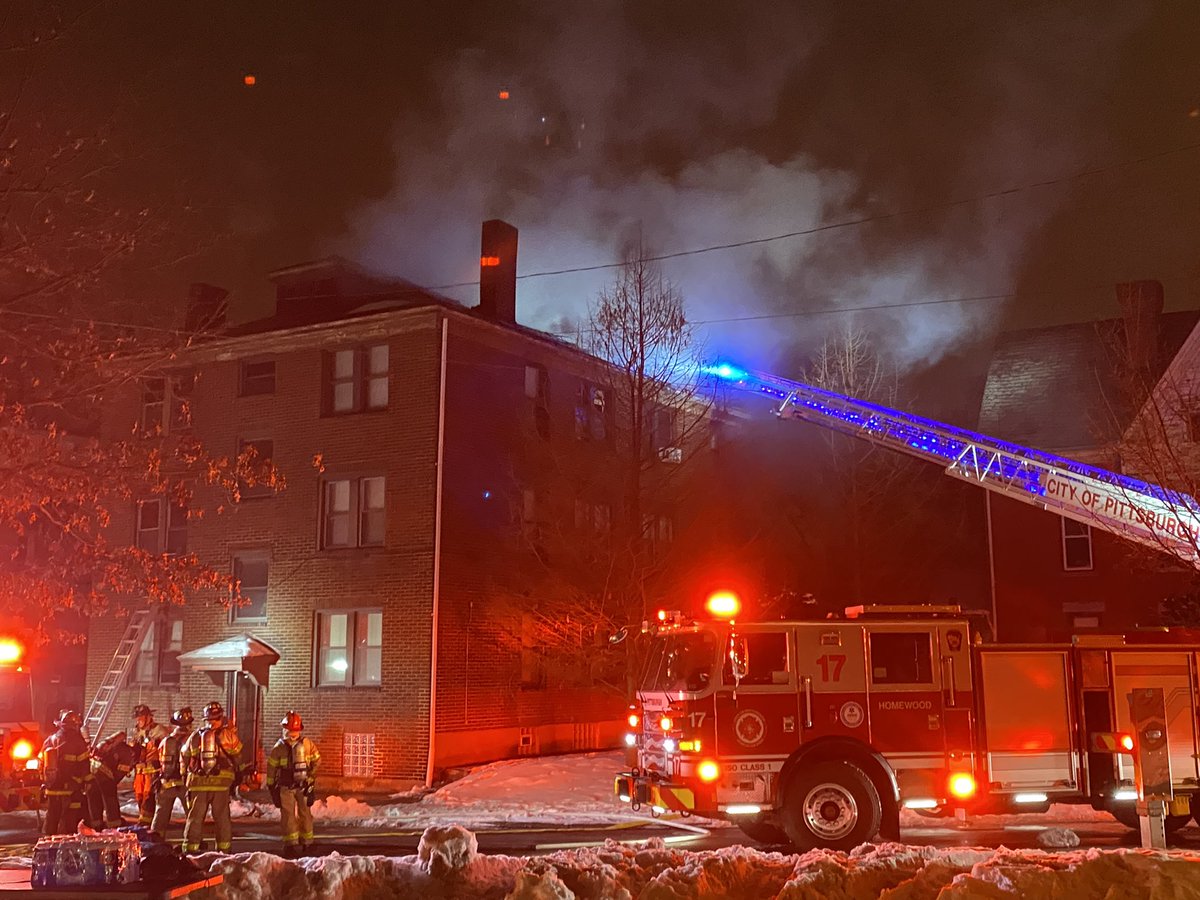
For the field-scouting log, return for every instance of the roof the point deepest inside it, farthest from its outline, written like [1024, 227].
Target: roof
[1059, 388]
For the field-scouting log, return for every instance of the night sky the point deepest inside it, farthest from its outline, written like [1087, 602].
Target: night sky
[376, 130]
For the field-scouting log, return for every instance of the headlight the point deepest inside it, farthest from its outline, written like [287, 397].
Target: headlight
[33, 764]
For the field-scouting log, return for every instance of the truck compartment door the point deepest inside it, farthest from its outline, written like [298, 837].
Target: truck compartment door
[1172, 672]
[1026, 716]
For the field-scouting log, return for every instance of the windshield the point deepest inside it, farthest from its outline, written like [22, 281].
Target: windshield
[680, 661]
[15, 703]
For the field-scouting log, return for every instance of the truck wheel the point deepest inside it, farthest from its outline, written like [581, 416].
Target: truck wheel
[757, 828]
[831, 804]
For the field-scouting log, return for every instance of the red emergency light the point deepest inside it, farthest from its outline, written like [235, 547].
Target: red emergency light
[11, 651]
[723, 604]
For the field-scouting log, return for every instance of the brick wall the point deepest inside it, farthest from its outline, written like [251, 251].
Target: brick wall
[476, 694]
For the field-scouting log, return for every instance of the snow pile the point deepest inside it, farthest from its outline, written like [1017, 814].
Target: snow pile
[449, 866]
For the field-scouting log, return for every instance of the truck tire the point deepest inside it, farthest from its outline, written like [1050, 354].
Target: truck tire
[831, 804]
[758, 829]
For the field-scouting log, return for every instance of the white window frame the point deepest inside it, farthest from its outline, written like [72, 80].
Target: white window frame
[1084, 537]
[241, 615]
[366, 371]
[163, 639]
[168, 514]
[165, 404]
[366, 524]
[351, 652]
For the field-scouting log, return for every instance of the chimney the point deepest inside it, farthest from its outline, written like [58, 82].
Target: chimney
[498, 271]
[1141, 305]
[206, 308]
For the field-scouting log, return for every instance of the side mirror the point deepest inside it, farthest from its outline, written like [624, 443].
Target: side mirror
[738, 658]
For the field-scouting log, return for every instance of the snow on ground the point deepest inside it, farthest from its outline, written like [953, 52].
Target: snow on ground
[448, 865]
[571, 790]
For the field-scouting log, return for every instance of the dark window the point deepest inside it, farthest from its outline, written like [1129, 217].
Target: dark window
[166, 402]
[354, 512]
[349, 648]
[251, 571]
[161, 527]
[901, 657]
[1076, 546]
[256, 378]
[255, 453]
[537, 389]
[591, 423]
[356, 379]
[766, 659]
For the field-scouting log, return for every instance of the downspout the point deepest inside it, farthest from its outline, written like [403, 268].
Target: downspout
[437, 559]
[991, 565]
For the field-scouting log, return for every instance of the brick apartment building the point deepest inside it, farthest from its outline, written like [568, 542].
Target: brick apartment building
[1061, 389]
[370, 577]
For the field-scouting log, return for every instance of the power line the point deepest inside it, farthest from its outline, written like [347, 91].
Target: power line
[696, 251]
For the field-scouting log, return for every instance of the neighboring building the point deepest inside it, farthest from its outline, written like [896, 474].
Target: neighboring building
[370, 577]
[1070, 390]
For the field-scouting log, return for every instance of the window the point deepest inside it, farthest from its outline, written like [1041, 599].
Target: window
[166, 403]
[256, 453]
[250, 570]
[161, 527]
[765, 657]
[157, 661]
[1076, 546]
[1081, 622]
[256, 377]
[537, 389]
[590, 415]
[662, 430]
[350, 648]
[354, 512]
[901, 657]
[356, 379]
[593, 517]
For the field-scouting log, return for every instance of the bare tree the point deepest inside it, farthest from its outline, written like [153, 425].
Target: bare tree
[68, 341]
[603, 532]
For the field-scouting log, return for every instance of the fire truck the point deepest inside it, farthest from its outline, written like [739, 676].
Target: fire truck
[820, 732]
[20, 738]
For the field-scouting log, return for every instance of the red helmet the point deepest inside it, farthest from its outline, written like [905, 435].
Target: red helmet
[69, 718]
[292, 721]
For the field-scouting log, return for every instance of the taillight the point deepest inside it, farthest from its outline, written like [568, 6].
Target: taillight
[708, 770]
[21, 750]
[962, 785]
[1125, 742]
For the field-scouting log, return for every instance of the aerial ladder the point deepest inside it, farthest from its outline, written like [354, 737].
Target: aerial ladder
[1136, 510]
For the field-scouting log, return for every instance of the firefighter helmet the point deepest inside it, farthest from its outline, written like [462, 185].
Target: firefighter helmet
[69, 718]
[182, 717]
[292, 721]
[214, 710]
[142, 710]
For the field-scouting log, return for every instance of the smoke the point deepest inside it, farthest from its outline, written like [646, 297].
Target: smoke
[692, 130]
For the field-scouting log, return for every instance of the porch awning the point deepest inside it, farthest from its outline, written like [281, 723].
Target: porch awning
[240, 653]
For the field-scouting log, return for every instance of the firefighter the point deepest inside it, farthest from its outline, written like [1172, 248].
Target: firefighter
[210, 760]
[291, 769]
[111, 762]
[148, 735]
[66, 767]
[170, 772]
